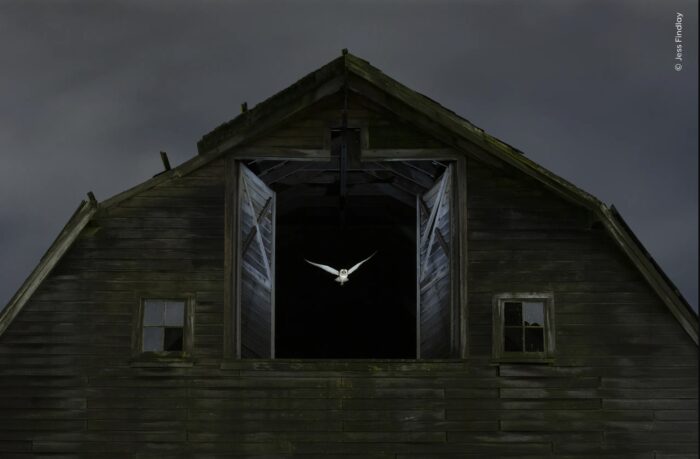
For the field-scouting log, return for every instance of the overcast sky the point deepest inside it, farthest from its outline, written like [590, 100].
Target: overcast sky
[90, 92]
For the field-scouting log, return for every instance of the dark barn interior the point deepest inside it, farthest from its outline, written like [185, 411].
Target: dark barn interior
[374, 314]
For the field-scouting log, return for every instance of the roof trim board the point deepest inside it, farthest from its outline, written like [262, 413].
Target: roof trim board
[355, 74]
[53, 255]
[652, 272]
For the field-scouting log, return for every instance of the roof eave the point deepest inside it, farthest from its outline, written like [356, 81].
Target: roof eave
[53, 255]
[650, 270]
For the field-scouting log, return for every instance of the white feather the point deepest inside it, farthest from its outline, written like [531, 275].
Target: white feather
[354, 268]
[323, 267]
[343, 273]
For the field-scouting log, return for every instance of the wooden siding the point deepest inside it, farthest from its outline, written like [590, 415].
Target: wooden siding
[624, 372]
[623, 384]
[311, 129]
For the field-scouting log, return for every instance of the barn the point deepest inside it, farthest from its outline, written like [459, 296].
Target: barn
[500, 311]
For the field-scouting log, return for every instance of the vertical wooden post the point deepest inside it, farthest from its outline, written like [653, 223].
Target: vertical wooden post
[418, 264]
[343, 161]
[166, 161]
[231, 243]
[462, 313]
[343, 165]
[273, 262]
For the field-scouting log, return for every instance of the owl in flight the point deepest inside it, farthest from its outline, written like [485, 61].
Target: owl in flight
[343, 274]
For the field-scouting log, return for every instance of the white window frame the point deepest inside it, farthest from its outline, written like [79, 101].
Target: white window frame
[498, 353]
[187, 330]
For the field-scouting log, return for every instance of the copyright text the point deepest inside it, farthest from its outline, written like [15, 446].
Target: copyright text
[679, 42]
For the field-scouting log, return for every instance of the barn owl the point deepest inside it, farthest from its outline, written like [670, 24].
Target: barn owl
[343, 273]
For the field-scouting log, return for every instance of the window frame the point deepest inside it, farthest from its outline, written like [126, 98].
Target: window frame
[187, 330]
[498, 353]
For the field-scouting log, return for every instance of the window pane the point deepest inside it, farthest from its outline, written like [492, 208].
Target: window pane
[175, 313]
[173, 339]
[533, 313]
[513, 339]
[534, 339]
[153, 312]
[513, 313]
[152, 339]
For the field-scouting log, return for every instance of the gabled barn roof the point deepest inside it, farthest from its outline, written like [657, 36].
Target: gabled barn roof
[351, 73]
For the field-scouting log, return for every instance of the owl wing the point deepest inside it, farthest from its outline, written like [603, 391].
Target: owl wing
[354, 268]
[323, 267]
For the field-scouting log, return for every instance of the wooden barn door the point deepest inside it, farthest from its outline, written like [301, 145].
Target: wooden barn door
[434, 292]
[256, 301]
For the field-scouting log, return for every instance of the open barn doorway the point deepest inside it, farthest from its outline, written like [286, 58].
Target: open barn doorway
[394, 306]
[370, 316]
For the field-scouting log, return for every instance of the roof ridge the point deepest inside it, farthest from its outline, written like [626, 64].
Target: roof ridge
[311, 78]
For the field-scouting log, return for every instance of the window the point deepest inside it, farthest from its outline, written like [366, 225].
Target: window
[523, 327]
[164, 326]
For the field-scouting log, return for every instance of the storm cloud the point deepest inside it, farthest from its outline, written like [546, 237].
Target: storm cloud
[90, 92]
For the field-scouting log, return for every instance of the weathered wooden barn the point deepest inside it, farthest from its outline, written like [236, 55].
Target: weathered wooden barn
[505, 313]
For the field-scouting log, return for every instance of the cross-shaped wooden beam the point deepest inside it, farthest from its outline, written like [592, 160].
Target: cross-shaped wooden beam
[438, 233]
[249, 238]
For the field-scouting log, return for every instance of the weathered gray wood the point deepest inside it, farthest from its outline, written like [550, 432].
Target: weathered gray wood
[256, 282]
[231, 335]
[409, 154]
[320, 88]
[408, 173]
[421, 210]
[450, 128]
[460, 232]
[623, 382]
[285, 170]
[632, 247]
[297, 154]
[434, 261]
[398, 136]
[52, 256]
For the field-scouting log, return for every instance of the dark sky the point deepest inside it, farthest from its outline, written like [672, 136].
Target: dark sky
[90, 92]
